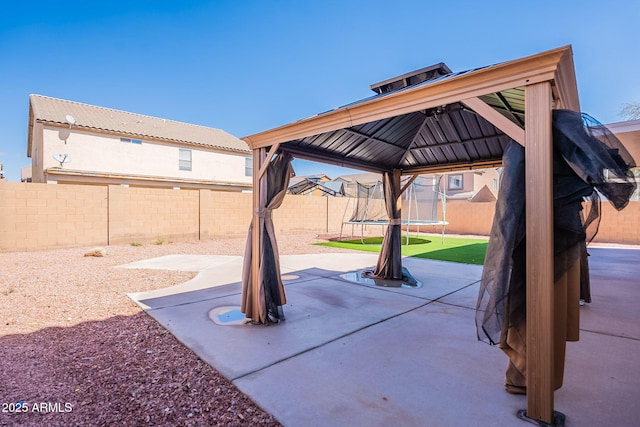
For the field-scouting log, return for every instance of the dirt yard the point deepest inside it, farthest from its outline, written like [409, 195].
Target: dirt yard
[75, 350]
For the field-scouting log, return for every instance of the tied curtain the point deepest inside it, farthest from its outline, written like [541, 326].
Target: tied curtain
[266, 306]
[389, 264]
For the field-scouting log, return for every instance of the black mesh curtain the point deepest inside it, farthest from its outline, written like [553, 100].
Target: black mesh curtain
[507, 239]
[586, 160]
[272, 296]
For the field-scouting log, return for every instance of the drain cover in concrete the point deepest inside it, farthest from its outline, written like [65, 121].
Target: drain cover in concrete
[366, 277]
[227, 316]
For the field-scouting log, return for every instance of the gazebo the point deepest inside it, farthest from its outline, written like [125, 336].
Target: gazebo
[433, 121]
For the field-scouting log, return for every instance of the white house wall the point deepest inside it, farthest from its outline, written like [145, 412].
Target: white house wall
[108, 154]
[37, 168]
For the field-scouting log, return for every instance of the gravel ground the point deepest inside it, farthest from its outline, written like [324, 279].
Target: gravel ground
[78, 351]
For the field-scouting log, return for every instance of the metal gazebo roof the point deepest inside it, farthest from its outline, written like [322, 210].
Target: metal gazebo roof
[438, 124]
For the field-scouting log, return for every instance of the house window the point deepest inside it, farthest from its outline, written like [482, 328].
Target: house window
[495, 184]
[131, 141]
[248, 166]
[184, 160]
[455, 182]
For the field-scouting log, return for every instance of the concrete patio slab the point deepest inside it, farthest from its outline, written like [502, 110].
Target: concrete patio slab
[615, 289]
[213, 271]
[318, 312]
[601, 381]
[354, 354]
[392, 373]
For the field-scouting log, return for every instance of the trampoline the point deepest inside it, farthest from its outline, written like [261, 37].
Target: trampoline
[419, 206]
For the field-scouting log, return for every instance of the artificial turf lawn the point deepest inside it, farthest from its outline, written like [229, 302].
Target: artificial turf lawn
[454, 249]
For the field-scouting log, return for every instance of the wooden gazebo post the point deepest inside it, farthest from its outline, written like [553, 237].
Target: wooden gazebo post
[261, 160]
[539, 247]
[259, 157]
[538, 143]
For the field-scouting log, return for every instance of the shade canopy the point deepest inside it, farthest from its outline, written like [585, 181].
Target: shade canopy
[457, 121]
[446, 122]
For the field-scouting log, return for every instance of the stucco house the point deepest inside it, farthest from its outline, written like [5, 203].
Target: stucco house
[628, 133]
[479, 185]
[74, 143]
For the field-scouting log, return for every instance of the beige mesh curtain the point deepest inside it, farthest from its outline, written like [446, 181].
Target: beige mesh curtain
[390, 260]
[271, 296]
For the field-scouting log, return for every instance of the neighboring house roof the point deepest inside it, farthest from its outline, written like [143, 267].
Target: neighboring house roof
[54, 111]
[316, 177]
[332, 188]
[484, 195]
[363, 178]
[335, 186]
[319, 177]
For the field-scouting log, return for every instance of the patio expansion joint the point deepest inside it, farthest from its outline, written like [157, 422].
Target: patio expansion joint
[464, 307]
[391, 290]
[607, 334]
[426, 303]
[306, 279]
[246, 374]
[453, 292]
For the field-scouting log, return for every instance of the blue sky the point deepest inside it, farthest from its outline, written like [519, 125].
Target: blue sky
[248, 66]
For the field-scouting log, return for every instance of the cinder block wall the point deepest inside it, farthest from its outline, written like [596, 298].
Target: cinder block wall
[144, 214]
[300, 214]
[224, 214]
[615, 226]
[43, 216]
[619, 226]
[470, 218]
[336, 212]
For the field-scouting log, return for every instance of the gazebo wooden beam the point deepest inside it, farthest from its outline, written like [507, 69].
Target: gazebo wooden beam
[265, 164]
[539, 248]
[318, 156]
[408, 183]
[498, 120]
[452, 167]
[259, 193]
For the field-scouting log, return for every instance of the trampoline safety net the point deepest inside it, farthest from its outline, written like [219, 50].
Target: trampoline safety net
[419, 204]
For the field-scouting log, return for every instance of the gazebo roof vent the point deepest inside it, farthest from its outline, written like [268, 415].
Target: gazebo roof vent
[409, 79]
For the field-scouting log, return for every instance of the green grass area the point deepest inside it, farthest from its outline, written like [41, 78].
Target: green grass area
[454, 249]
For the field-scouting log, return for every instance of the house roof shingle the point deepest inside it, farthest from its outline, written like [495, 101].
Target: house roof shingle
[54, 111]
